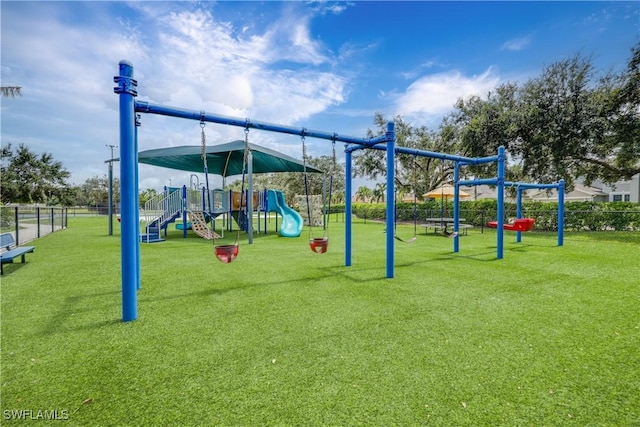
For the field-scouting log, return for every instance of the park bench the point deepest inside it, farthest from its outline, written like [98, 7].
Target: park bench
[8, 243]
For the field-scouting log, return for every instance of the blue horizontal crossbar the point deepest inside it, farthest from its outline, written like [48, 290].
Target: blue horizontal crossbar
[525, 185]
[432, 154]
[487, 181]
[146, 107]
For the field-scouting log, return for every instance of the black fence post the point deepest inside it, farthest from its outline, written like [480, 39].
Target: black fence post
[17, 222]
[38, 221]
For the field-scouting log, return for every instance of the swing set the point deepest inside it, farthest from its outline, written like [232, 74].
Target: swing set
[129, 107]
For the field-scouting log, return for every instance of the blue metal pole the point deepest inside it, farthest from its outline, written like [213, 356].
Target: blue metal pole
[111, 195]
[348, 188]
[500, 230]
[391, 150]
[561, 212]
[519, 213]
[126, 90]
[184, 211]
[137, 204]
[250, 206]
[456, 207]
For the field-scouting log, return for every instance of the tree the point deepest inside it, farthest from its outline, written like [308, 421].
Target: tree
[11, 91]
[379, 192]
[613, 149]
[95, 191]
[30, 178]
[146, 195]
[555, 118]
[364, 194]
[566, 123]
[483, 125]
[417, 174]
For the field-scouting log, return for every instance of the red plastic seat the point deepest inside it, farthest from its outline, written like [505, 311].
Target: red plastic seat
[226, 253]
[319, 245]
[520, 224]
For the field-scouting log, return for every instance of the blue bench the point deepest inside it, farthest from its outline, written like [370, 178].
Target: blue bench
[7, 242]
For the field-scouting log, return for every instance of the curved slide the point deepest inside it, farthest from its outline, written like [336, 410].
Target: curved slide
[291, 220]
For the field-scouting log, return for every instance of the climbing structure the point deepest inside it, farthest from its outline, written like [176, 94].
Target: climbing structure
[199, 226]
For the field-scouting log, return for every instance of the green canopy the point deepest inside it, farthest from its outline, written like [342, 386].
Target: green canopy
[222, 159]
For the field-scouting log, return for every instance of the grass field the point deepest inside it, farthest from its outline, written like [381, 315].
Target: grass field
[548, 336]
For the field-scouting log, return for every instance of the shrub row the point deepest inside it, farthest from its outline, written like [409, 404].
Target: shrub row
[591, 216]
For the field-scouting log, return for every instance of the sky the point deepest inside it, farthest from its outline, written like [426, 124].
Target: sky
[328, 66]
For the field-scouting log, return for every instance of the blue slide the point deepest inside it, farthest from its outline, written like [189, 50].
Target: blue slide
[291, 220]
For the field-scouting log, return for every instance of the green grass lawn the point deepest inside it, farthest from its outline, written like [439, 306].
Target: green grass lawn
[547, 336]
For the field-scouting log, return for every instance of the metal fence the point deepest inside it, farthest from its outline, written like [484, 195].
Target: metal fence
[28, 223]
[93, 210]
[546, 220]
[619, 225]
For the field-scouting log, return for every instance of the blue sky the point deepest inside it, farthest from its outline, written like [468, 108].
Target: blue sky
[321, 65]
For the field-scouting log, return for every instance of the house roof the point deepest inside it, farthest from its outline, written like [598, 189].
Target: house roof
[223, 159]
[580, 192]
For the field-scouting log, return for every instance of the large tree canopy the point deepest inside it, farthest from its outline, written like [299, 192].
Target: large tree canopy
[566, 123]
[95, 192]
[10, 91]
[414, 174]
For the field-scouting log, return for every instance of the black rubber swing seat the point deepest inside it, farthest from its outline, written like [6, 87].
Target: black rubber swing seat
[409, 240]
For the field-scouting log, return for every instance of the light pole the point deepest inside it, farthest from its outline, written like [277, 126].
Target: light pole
[110, 161]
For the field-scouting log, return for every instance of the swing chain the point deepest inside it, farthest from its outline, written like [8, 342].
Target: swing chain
[333, 172]
[245, 157]
[304, 152]
[246, 149]
[203, 140]
[333, 144]
[305, 178]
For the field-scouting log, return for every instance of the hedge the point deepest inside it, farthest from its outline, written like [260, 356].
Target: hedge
[579, 216]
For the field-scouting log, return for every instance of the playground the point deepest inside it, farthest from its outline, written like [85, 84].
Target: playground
[282, 336]
[481, 329]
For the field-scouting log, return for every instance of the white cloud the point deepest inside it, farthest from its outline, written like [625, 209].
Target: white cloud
[412, 74]
[183, 58]
[289, 39]
[516, 44]
[435, 94]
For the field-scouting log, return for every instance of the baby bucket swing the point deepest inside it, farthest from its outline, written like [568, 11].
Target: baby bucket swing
[318, 245]
[228, 252]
